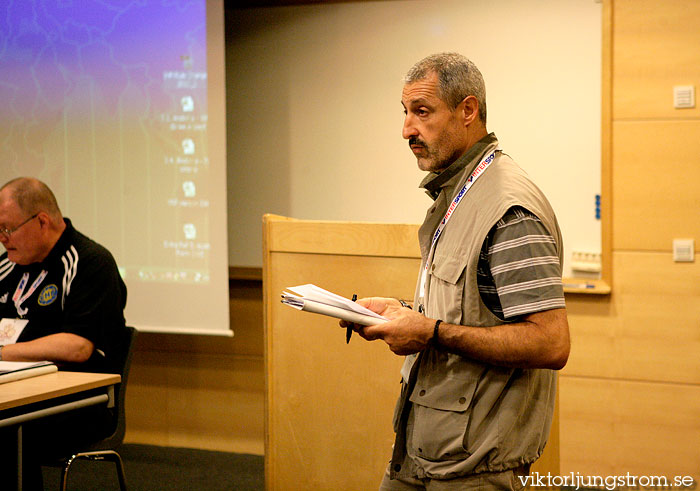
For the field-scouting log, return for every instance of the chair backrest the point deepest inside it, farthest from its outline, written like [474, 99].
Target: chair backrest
[122, 366]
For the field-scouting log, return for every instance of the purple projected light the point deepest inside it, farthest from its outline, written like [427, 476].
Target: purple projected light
[108, 100]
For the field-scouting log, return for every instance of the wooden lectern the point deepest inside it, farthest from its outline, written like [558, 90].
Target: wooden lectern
[329, 405]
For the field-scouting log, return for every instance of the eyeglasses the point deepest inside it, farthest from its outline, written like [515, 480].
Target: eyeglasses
[7, 232]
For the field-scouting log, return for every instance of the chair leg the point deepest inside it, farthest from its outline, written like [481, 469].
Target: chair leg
[113, 456]
[64, 474]
[109, 455]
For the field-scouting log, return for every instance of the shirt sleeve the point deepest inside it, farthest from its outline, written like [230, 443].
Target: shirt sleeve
[519, 269]
[94, 306]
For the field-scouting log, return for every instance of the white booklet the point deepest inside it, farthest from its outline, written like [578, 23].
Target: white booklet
[312, 298]
[17, 370]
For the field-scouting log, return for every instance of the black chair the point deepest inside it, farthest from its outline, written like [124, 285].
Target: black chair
[103, 450]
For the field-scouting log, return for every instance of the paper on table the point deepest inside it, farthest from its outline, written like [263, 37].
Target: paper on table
[311, 298]
[17, 370]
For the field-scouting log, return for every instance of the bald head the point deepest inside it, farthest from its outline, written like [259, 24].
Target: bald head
[31, 196]
[30, 219]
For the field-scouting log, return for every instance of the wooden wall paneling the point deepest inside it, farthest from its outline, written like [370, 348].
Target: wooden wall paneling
[659, 332]
[588, 440]
[655, 47]
[196, 400]
[648, 329]
[593, 325]
[630, 394]
[218, 404]
[612, 428]
[655, 183]
[147, 398]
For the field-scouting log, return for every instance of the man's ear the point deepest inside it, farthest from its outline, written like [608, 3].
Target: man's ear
[470, 110]
[44, 219]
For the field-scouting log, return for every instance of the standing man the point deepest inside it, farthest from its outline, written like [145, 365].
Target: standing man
[61, 299]
[488, 327]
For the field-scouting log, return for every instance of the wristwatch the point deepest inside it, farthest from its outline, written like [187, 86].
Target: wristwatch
[404, 303]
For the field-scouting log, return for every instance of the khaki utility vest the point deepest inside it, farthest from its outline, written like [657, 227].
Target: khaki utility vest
[465, 416]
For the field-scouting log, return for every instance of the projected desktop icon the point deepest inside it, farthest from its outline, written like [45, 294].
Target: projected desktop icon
[189, 189]
[190, 231]
[188, 146]
[187, 104]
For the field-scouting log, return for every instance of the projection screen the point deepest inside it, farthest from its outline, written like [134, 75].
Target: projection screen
[119, 107]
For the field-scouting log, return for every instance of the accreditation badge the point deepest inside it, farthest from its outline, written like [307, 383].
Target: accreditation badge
[10, 329]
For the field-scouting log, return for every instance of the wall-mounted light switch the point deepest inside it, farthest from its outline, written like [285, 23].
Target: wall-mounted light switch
[684, 250]
[683, 96]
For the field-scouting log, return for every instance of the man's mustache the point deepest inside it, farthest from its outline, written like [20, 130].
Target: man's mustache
[415, 141]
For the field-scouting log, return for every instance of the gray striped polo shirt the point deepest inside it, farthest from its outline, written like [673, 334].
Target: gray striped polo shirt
[519, 271]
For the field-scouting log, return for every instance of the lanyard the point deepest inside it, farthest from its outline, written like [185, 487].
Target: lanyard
[478, 171]
[19, 297]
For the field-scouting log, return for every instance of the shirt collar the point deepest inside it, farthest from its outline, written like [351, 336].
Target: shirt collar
[62, 243]
[434, 182]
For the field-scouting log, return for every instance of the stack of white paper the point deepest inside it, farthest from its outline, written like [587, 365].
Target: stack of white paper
[17, 370]
[311, 298]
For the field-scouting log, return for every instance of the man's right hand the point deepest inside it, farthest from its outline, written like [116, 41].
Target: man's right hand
[406, 331]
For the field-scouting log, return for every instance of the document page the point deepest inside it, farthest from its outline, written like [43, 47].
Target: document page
[311, 298]
[17, 370]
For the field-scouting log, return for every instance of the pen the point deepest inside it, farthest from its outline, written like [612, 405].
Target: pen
[579, 285]
[348, 332]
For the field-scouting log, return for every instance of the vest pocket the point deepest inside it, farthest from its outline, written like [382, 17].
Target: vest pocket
[447, 287]
[441, 420]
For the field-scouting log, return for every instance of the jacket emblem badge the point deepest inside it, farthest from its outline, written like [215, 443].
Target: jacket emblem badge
[48, 295]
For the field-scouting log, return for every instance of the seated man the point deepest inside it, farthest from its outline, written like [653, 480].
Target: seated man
[61, 298]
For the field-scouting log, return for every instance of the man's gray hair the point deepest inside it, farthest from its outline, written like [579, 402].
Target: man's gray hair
[33, 196]
[458, 78]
